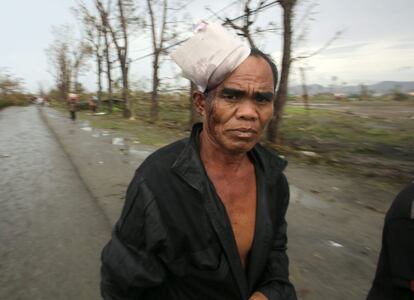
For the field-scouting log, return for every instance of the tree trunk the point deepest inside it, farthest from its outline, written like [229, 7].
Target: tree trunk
[75, 81]
[99, 66]
[157, 45]
[122, 50]
[108, 70]
[125, 90]
[154, 94]
[273, 130]
[123, 59]
[249, 38]
[193, 112]
[305, 95]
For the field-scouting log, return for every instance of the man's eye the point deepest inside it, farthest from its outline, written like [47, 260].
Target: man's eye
[230, 97]
[263, 99]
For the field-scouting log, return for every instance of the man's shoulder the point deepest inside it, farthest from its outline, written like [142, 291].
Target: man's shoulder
[163, 158]
[271, 160]
[403, 204]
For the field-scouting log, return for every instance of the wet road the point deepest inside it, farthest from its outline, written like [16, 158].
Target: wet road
[51, 229]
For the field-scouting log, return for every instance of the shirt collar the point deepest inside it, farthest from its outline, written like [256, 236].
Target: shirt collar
[190, 167]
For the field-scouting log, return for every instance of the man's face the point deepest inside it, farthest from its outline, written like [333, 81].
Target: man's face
[242, 105]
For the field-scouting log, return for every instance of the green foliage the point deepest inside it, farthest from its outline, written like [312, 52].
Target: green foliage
[11, 91]
[174, 109]
[399, 96]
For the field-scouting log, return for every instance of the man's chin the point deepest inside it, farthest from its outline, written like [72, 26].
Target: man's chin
[241, 146]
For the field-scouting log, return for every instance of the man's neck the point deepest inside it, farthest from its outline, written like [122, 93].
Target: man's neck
[214, 156]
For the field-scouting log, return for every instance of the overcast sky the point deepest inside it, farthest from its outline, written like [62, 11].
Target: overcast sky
[377, 42]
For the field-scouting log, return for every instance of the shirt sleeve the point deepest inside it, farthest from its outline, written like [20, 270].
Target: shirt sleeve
[400, 246]
[130, 261]
[275, 283]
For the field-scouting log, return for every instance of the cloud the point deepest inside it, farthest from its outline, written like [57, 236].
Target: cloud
[346, 49]
[409, 45]
[375, 61]
[405, 68]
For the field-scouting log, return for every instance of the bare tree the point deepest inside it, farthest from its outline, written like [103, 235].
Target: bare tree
[305, 95]
[80, 52]
[68, 59]
[107, 53]
[282, 91]
[9, 85]
[11, 90]
[244, 24]
[162, 31]
[119, 35]
[94, 35]
[157, 44]
[302, 26]
[193, 111]
[59, 57]
[108, 61]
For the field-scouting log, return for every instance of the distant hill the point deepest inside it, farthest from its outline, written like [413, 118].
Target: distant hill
[382, 87]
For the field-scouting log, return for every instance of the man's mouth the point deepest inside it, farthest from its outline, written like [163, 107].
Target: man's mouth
[244, 132]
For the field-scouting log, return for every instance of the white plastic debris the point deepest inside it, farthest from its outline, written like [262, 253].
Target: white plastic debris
[118, 141]
[310, 154]
[335, 244]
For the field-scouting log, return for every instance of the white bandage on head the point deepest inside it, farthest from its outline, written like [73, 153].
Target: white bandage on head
[210, 55]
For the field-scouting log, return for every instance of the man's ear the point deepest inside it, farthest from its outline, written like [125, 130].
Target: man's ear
[199, 101]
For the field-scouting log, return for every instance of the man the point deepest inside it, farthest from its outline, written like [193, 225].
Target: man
[204, 217]
[395, 272]
[92, 103]
[73, 100]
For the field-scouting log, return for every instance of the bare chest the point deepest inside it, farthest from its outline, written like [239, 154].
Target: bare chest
[239, 199]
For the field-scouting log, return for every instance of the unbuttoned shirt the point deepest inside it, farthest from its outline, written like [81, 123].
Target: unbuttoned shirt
[174, 239]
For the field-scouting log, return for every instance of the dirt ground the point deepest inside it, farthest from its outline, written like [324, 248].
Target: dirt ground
[371, 139]
[335, 219]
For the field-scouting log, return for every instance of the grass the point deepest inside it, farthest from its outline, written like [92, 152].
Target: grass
[325, 130]
[372, 146]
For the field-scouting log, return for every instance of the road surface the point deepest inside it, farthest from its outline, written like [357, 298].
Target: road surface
[51, 228]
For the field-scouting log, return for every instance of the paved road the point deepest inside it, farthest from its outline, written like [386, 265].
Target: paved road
[51, 229]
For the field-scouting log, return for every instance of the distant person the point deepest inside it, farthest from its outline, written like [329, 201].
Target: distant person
[40, 101]
[204, 217]
[73, 100]
[394, 279]
[92, 103]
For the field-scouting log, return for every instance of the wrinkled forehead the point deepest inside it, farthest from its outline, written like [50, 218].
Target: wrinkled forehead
[254, 73]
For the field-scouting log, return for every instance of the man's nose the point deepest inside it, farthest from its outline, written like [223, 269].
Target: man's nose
[247, 110]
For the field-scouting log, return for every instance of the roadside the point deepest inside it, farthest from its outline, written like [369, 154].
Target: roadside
[335, 220]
